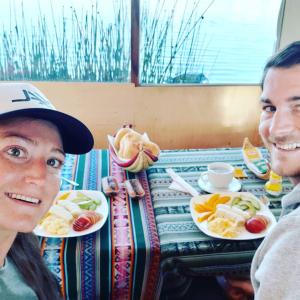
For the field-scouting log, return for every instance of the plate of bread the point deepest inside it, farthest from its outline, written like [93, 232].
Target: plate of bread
[233, 216]
[74, 213]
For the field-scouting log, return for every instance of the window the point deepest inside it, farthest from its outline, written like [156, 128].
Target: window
[65, 40]
[180, 41]
[208, 41]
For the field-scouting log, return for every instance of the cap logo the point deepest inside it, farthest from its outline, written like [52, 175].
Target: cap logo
[31, 96]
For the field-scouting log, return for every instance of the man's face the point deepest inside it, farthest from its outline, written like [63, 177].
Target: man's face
[280, 119]
[31, 157]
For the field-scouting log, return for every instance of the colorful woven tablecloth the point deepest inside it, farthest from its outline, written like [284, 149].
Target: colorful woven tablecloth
[148, 249]
[185, 250]
[121, 260]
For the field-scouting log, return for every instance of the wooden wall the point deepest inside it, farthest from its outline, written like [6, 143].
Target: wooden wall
[173, 117]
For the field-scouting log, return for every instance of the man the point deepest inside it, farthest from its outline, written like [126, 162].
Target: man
[275, 271]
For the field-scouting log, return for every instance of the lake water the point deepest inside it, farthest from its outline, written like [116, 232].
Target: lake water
[241, 54]
[233, 42]
[232, 53]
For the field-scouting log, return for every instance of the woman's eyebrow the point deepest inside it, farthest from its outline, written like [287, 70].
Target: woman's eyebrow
[60, 151]
[13, 134]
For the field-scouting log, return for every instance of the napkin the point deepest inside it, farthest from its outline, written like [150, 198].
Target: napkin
[177, 187]
[179, 181]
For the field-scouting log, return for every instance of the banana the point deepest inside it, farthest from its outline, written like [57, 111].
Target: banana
[61, 212]
[242, 213]
[236, 210]
[72, 207]
[224, 211]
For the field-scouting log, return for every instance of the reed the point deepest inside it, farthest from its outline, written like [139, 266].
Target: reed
[73, 46]
[172, 53]
[78, 47]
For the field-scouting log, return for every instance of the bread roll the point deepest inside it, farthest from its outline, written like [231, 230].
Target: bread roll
[130, 145]
[120, 134]
[152, 147]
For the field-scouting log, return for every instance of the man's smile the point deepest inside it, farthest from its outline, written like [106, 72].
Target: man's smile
[287, 146]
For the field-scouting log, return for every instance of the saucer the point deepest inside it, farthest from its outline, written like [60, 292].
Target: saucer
[234, 186]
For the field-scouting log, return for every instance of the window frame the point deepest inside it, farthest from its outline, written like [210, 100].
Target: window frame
[135, 42]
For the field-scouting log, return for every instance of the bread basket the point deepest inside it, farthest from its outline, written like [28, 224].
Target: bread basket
[140, 161]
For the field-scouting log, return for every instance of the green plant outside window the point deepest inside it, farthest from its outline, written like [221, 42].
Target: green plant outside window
[65, 40]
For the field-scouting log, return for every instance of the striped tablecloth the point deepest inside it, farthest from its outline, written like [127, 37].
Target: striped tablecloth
[185, 250]
[121, 261]
[147, 249]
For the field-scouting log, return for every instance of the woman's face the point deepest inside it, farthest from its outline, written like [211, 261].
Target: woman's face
[31, 158]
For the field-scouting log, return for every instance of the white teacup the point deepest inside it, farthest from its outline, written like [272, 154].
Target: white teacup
[219, 174]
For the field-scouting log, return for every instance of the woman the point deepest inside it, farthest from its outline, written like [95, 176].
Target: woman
[34, 138]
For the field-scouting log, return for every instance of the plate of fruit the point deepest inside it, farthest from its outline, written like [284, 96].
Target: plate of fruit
[234, 216]
[74, 213]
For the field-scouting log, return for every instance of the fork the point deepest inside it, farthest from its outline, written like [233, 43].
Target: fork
[69, 181]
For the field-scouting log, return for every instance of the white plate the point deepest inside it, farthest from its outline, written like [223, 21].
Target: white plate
[101, 209]
[206, 186]
[244, 234]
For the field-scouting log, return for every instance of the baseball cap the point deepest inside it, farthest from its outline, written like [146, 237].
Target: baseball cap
[25, 100]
